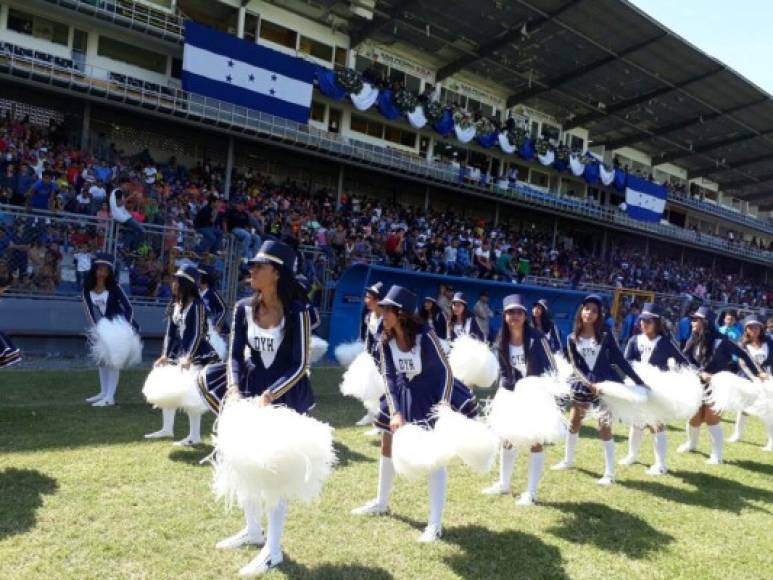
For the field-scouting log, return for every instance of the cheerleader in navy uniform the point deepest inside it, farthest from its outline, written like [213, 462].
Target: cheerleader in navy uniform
[711, 353]
[186, 345]
[9, 354]
[595, 356]
[269, 359]
[418, 377]
[543, 321]
[217, 313]
[371, 330]
[433, 316]
[522, 351]
[760, 348]
[104, 298]
[654, 346]
[461, 321]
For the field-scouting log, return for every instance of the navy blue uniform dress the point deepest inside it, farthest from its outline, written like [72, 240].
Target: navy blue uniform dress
[718, 353]
[418, 380]
[538, 358]
[186, 334]
[439, 324]
[470, 327]
[371, 339]
[117, 305]
[764, 361]
[610, 365]
[259, 361]
[553, 334]
[216, 310]
[663, 350]
[9, 353]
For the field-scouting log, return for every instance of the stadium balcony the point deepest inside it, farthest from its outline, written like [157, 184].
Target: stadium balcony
[160, 24]
[128, 14]
[134, 94]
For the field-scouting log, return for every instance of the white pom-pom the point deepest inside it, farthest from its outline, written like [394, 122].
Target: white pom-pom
[564, 368]
[473, 363]
[318, 348]
[114, 344]
[170, 387]
[626, 403]
[763, 404]
[363, 381]
[729, 392]
[528, 415]
[264, 454]
[417, 452]
[218, 343]
[346, 353]
[675, 395]
[472, 441]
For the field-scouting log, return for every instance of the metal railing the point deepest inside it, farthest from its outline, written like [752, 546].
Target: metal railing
[198, 108]
[129, 14]
[720, 210]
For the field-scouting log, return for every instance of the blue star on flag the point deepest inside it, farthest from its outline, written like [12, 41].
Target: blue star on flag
[231, 63]
[273, 77]
[228, 78]
[252, 78]
[272, 91]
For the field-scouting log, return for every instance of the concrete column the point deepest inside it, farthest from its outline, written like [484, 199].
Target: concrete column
[240, 21]
[646, 247]
[340, 188]
[604, 245]
[496, 214]
[555, 232]
[229, 167]
[426, 198]
[85, 127]
[430, 148]
[681, 258]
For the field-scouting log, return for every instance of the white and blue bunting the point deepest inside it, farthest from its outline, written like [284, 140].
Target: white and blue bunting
[447, 121]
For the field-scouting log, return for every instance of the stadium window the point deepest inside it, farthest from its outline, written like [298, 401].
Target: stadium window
[334, 120]
[534, 133]
[130, 54]
[395, 135]
[451, 98]
[177, 68]
[550, 132]
[318, 111]
[423, 145]
[396, 76]
[367, 126]
[412, 83]
[361, 64]
[575, 143]
[486, 110]
[538, 178]
[250, 27]
[37, 27]
[162, 3]
[278, 34]
[473, 105]
[340, 57]
[316, 49]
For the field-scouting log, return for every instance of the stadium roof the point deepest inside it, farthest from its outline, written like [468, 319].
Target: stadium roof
[606, 66]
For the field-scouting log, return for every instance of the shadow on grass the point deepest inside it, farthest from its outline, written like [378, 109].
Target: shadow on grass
[333, 571]
[609, 529]
[21, 491]
[709, 491]
[762, 468]
[492, 554]
[346, 456]
[590, 431]
[192, 455]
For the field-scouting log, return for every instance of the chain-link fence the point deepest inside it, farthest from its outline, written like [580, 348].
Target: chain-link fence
[49, 253]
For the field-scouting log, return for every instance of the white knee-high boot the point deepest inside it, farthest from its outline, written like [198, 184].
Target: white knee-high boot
[104, 381]
[167, 425]
[536, 466]
[692, 439]
[507, 457]
[635, 438]
[717, 444]
[769, 446]
[740, 427]
[112, 386]
[271, 554]
[569, 451]
[194, 428]
[251, 535]
[609, 463]
[438, 485]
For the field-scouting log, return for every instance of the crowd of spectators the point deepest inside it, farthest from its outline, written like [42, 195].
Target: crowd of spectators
[39, 169]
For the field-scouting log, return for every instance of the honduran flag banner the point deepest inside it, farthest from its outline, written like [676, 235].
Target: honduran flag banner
[224, 67]
[644, 200]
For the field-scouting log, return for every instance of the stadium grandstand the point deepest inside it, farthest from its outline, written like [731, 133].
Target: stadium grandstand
[494, 140]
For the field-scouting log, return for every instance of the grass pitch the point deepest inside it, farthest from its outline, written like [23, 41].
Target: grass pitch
[83, 495]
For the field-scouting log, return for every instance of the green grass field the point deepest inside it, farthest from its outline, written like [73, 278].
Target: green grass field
[83, 495]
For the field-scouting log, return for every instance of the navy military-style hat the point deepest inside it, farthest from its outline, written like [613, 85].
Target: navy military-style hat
[430, 299]
[188, 272]
[103, 259]
[593, 299]
[277, 253]
[751, 320]
[377, 290]
[705, 313]
[544, 303]
[401, 298]
[459, 297]
[513, 302]
[649, 311]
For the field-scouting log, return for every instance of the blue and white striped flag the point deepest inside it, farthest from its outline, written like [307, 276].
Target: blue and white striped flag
[224, 67]
[644, 200]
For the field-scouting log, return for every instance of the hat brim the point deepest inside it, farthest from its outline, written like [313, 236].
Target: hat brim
[595, 301]
[430, 299]
[389, 302]
[185, 276]
[515, 307]
[458, 301]
[103, 263]
[263, 258]
[698, 316]
[648, 316]
[754, 323]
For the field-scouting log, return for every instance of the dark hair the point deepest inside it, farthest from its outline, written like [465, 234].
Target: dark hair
[424, 314]
[598, 326]
[410, 323]
[702, 345]
[188, 292]
[288, 290]
[502, 341]
[746, 339]
[90, 282]
[546, 321]
[660, 328]
[465, 316]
